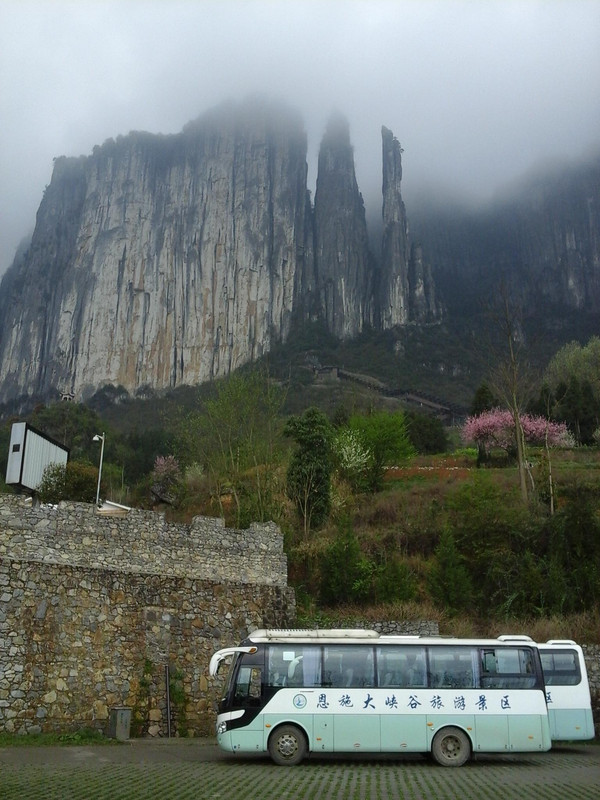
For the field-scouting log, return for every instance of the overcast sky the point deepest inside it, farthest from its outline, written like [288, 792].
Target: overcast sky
[477, 92]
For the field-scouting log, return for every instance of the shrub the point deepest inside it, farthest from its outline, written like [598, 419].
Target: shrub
[352, 457]
[385, 437]
[426, 433]
[448, 582]
[309, 470]
[394, 582]
[76, 481]
[346, 574]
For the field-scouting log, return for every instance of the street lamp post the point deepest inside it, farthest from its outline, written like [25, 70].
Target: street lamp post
[99, 438]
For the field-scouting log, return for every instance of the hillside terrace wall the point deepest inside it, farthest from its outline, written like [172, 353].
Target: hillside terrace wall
[93, 609]
[141, 542]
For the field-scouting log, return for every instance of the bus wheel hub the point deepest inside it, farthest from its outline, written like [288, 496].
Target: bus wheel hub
[287, 746]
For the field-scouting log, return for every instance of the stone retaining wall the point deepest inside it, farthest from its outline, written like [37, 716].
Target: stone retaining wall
[592, 662]
[141, 541]
[409, 627]
[93, 609]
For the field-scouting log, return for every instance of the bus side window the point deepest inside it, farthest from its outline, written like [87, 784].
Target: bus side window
[305, 668]
[508, 668]
[415, 672]
[399, 666]
[294, 676]
[451, 667]
[489, 662]
[255, 689]
[278, 666]
[358, 667]
[561, 667]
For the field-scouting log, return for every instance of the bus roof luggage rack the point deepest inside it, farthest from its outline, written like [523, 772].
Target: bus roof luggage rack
[321, 633]
[560, 641]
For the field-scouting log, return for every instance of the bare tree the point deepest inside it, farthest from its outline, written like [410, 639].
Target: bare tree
[512, 378]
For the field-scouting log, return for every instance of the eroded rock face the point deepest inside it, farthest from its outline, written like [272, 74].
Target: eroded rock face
[161, 260]
[541, 240]
[343, 262]
[395, 253]
[406, 288]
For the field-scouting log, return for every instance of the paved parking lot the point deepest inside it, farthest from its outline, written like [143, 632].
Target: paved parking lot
[198, 770]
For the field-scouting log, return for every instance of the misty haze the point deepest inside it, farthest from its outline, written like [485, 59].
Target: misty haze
[378, 166]
[477, 93]
[308, 291]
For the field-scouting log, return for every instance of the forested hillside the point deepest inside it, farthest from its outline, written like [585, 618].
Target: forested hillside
[385, 509]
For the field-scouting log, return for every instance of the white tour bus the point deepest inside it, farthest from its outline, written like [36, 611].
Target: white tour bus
[567, 689]
[294, 692]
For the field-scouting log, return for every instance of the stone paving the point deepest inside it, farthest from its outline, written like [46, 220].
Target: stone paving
[198, 770]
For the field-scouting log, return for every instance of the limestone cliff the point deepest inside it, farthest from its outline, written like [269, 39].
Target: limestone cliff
[541, 239]
[165, 260]
[161, 260]
[406, 288]
[343, 263]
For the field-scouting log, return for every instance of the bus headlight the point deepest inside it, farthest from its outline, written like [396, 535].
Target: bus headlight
[221, 728]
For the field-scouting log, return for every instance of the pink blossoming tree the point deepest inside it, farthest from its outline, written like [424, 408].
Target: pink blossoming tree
[496, 428]
[164, 478]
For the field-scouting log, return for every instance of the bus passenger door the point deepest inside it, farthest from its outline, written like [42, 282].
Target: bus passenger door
[248, 696]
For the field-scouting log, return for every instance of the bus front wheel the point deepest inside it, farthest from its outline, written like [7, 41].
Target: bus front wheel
[287, 745]
[451, 747]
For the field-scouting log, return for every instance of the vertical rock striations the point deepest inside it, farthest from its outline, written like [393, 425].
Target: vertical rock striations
[341, 250]
[161, 260]
[44, 285]
[553, 230]
[541, 238]
[406, 291]
[167, 260]
[395, 253]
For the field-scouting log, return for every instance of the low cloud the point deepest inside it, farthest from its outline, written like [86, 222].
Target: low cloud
[476, 92]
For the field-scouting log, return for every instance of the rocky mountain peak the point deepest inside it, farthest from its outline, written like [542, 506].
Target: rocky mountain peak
[165, 260]
[406, 289]
[341, 249]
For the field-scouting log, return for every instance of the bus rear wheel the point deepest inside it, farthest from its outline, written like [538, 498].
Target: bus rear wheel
[451, 747]
[287, 745]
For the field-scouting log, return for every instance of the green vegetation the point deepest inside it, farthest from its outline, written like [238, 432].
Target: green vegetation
[449, 583]
[379, 507]
[178, 700]
[75, 481]
[228, 444]
[385, 438]
[309, 470]
[141, 710]
[85, 736]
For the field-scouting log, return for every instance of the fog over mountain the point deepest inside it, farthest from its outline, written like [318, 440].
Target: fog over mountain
[477, 93]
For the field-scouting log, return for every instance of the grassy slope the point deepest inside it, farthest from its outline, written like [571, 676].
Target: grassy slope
[407, 516]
